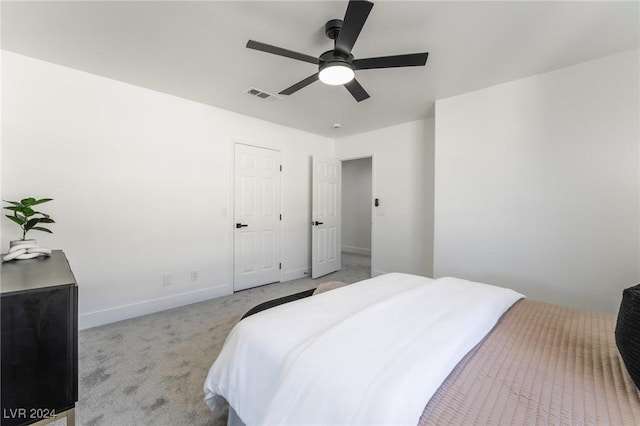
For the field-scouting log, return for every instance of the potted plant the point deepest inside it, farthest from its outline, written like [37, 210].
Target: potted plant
[27, 218]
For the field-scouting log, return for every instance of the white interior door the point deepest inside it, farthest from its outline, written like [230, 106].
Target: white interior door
[257, 217]
[326, 221]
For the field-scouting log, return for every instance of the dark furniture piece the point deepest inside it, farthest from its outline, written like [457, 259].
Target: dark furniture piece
[39, 340]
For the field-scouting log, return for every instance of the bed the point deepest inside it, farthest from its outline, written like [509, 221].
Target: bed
[536, 363]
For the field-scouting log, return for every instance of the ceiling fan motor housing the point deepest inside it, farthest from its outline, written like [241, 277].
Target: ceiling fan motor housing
[335, 57]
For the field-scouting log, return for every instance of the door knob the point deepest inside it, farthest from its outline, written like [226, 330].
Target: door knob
[241, 225]
[318, 223]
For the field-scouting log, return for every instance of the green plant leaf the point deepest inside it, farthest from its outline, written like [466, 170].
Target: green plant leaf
[28, 201]
[15, 219]
[47, 220]
[14, 208]
[40, 228]
[26, 211]
[15, 203]
[31, 223]
[42, 200]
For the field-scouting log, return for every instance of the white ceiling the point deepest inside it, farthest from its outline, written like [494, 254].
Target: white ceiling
[196, 50]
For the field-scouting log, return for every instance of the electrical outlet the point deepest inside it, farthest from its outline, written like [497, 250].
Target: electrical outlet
[194, 275]
[166, 279]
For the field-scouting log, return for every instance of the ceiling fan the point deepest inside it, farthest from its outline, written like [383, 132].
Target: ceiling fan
[338, 66]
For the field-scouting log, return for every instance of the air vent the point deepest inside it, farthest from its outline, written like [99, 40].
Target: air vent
[260, 93]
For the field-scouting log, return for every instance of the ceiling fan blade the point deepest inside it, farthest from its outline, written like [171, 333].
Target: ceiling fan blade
[299, 85]
[411, 60]
[356, 90]
[354, 19]
[256, 45]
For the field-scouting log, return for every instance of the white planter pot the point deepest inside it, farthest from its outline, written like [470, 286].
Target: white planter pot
[18, 242]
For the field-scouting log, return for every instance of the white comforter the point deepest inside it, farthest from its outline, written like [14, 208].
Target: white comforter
[373, 352]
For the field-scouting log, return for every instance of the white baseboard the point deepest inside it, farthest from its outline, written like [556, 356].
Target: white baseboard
[119, 313]
[295, 274]
[356, 250]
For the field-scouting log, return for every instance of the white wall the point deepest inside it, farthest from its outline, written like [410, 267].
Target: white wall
[537, 184]
[357, 203]
[403, 181]
[142, 185]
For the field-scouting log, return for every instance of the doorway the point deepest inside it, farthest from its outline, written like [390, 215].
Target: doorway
[357, 207]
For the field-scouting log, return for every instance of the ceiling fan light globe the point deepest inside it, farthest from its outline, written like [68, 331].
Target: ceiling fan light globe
[335, 75]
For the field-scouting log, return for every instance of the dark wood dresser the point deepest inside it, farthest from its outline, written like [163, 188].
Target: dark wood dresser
[39, 340]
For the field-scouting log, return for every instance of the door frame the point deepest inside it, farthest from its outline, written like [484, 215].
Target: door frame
[373, 197]
[232, 204]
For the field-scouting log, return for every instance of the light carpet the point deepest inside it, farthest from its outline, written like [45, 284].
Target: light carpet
[150, 370]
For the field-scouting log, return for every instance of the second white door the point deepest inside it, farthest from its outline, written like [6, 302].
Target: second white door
[326, 223]
[257, 217]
